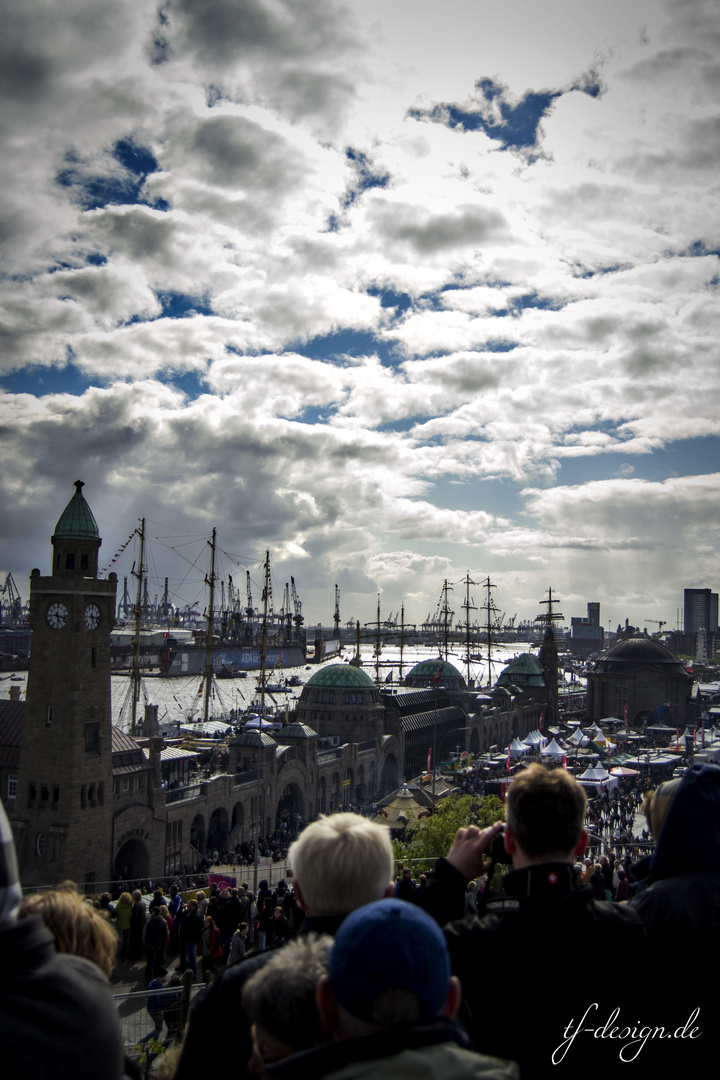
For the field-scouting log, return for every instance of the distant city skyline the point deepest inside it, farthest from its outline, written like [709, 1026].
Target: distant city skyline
[397, 294]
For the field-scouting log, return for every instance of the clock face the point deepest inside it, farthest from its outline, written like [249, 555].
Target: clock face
[92, 616]
[57, 615]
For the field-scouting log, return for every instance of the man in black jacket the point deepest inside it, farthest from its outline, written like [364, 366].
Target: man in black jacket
[533, 961]
[191, 928]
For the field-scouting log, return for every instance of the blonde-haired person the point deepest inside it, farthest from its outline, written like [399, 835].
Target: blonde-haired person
[123, 912]
[78, 928]
[340, 863]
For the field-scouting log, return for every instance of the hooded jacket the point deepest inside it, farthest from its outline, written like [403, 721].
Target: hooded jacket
[681, 907]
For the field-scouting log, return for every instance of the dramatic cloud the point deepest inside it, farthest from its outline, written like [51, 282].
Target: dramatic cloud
[398, 300]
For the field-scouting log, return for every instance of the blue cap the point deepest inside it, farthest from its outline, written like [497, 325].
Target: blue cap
[389, 945]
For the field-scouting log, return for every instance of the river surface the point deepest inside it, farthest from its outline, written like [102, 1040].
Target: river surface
[182, 698]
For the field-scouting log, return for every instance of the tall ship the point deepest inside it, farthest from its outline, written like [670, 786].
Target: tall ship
[231, 637]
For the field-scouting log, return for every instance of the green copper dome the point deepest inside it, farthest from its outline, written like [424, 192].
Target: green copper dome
[427, 669]
[341, 675]
[76, 521]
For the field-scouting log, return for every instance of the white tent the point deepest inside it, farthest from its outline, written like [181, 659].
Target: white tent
[598, 777]
[516, 748]
[553, 750]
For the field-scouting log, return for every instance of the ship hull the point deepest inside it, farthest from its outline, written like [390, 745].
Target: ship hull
[228, 661]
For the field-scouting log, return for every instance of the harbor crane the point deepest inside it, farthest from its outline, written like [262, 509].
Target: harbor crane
[299, 620]
[11, 610]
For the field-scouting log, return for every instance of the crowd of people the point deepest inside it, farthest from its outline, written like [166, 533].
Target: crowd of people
[350, 973]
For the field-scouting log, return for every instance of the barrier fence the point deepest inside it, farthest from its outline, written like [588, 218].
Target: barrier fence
[153, 1020]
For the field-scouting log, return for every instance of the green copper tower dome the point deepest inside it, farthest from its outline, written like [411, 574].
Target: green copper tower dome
[76, 521]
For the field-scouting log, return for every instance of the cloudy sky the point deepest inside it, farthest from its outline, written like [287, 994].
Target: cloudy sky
[399, 290]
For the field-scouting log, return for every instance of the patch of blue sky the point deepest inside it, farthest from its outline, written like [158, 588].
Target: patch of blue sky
[517, 127]
[532, 300]
[179, 305]
[497, 345]
[697, 249]
[581, 271]
[40, 381]
[391, 299]
[407, 423]
[685, 457]
[334, 347]
[313, 415]
[518, 123]
[193, 384]
[95, 191]
[365, 175]
[175, 305]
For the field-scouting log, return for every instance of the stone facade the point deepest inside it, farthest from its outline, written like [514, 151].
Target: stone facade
[637, 677]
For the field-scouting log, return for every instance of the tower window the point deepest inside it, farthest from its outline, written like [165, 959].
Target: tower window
[83, 562]
[93, 657]
[92, 739]
[70, 560]
[12, 786]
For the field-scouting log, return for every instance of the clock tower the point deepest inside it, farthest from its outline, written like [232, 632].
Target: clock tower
[63, 811]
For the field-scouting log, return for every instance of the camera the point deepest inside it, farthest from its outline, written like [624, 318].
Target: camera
[498, 854]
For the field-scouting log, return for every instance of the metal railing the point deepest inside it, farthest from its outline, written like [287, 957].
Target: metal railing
[193, 791]
[152, 1021]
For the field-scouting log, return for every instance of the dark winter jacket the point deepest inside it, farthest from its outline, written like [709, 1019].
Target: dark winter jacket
[531, 940]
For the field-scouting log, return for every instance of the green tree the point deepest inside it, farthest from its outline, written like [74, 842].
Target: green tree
[435, 835]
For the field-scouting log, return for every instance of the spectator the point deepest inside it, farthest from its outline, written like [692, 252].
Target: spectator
[191, 928]
[339, 862]
[279, 1001]
[78, 928]
[138, 918]
[543, 902]
[388, 1003]
[123, 913]
[57, 1015]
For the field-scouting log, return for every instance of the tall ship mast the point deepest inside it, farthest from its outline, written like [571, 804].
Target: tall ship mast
[467, 607]
[491, 614]
[137, 614]
[208, 673]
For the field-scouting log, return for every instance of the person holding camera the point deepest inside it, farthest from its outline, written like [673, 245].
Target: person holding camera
[526, 933]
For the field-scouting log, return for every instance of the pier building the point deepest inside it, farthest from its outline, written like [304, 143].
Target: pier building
[86, 801]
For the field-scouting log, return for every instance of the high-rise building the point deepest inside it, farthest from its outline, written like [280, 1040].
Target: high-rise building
[701, 611]
[588, 635]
